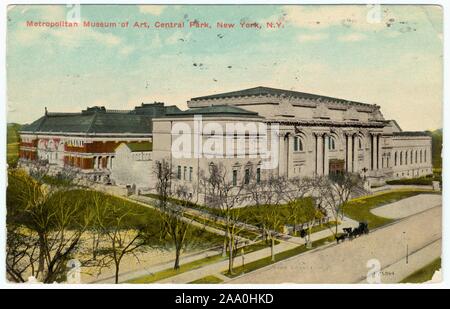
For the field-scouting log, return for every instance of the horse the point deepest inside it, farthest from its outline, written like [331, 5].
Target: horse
[340, 237]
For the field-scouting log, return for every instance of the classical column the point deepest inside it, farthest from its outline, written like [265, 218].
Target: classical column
[319, 154]
[379, 153]
[326, 162]
[349, 153]
[375, 167]
[289, 158]
[355, 154]
[282, 157]
[372, 152]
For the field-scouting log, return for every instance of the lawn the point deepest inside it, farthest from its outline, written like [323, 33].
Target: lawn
[424, 274]
[170, 272]
[221, 226]
[207, 279]
[198, 238]
[252, 214]
[278, 257]
[359, 209]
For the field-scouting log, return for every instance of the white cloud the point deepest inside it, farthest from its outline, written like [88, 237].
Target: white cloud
[156, 41]
[126, 50]
[152, 9]
[361, 17]
[68, 37]
[353, 37]
[312, 37]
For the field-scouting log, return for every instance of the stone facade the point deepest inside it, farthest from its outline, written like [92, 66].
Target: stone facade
[315, 135]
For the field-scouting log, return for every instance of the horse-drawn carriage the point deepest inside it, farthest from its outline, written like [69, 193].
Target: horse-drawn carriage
[350, 233]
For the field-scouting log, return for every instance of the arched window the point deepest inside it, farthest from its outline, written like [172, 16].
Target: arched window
[359, 143]
[298, 144]
[395, 158]
[331, 143]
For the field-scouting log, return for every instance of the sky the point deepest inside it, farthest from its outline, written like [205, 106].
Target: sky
[386, 55]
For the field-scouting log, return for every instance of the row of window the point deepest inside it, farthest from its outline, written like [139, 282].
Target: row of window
[416, 156]
[246, 176]
[298, 143]
[182, 173]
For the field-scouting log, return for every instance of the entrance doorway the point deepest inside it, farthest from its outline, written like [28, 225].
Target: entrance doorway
[337, 166]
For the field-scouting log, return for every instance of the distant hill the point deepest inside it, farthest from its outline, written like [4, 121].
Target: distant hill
[13, 133]
[436, 136]
[12, 139]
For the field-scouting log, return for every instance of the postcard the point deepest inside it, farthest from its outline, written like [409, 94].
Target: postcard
[224, 144]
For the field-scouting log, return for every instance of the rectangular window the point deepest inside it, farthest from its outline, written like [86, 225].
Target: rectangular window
[190, 173]
[258, 175]
[247, 176]
[295, 143]
[179, 172]
[234, 177]
[184, 172]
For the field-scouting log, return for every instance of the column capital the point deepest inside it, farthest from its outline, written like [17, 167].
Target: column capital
[318, 134]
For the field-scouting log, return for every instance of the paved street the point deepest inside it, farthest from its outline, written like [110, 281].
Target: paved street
[346, 262]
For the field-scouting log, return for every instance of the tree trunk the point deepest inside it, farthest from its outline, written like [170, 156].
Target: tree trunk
[230, 258]
[41, 262]
[117, 272]
[224, 247]
[176, 266]
[272, 249]
[95, 243]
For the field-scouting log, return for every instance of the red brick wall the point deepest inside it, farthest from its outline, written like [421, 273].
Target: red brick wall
[101, 147]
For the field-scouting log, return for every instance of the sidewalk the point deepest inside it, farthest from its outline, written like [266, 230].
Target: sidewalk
[217, 268]
[148, 270]
[346, 222]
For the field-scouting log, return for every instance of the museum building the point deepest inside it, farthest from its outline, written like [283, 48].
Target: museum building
[315, 135]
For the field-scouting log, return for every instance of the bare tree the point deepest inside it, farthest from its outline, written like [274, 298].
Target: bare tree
[50, 215]
[272, 194]
[221, 193]
[345, 185]
[125, 233]
[334, 191]
[175, 224]
[297, 189]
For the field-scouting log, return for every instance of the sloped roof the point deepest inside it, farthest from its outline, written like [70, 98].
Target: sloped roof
[100, 120]
[216, 110]
[140, 147]
[256, 91]
[96, 122]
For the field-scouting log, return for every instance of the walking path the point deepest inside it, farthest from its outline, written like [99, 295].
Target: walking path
[420, 256]
[408, 206]
[217, 268]
[149, 270]
[350, 261]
